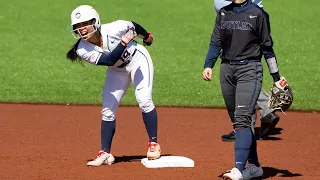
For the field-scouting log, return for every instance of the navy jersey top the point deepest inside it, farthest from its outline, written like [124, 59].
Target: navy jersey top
[242, 31]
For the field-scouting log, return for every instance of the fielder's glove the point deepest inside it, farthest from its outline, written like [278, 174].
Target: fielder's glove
[281, 96]
[147, 41]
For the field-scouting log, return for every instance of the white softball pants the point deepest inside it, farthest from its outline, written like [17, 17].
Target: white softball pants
[140, 72]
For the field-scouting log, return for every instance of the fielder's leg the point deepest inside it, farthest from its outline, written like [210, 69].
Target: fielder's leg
[262, 104]
[249, 82]
[228, 86]
[253, 119]
[269, 118]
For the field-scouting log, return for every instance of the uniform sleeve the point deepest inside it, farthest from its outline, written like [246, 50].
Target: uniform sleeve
[215, 45]
[89, 54]
[266, 44]
[140, 30]
[264, 30]
[122, 26]
[95, 56]
[113, 57]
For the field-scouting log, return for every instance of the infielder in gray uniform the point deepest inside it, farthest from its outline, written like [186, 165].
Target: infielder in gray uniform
[241, 36]
[268, 117]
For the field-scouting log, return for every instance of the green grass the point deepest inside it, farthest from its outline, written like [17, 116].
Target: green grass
[36, 35]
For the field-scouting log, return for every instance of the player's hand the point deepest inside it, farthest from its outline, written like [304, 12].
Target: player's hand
[207, 74]
[148, 40]
[129, 36]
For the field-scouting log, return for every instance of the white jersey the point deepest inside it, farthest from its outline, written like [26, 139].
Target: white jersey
[218, 4]
[111, 37]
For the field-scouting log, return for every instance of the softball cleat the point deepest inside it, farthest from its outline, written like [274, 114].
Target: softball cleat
[102, 158]
[154, 151]
[252, 171]
[233, 174]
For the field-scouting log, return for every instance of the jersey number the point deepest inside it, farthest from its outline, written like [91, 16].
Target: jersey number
[125, 55]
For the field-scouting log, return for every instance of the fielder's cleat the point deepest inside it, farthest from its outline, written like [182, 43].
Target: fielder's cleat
[229, 137]
[233, 174]
[102, 158]
[268, 123]
[252, 171]
[154, 151]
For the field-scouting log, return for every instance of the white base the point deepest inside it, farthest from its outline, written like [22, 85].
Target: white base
[168, 161]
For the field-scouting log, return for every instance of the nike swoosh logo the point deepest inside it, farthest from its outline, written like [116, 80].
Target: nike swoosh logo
[252, 16]
[139, 89]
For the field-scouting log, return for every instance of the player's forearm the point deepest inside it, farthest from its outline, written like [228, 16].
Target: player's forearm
[270, 57]
[212, 55]
[141, 32]
[112, 58]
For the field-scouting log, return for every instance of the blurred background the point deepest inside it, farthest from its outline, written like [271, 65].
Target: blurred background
[36, 34]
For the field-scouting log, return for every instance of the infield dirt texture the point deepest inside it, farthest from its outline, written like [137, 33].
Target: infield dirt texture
[54, 142]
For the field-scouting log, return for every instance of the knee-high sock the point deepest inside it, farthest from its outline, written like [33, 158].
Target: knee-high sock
[253, 155]
[150, 120]
[242, 147]
[107, 131]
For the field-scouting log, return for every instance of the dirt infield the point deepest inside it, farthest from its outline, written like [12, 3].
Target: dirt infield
[51, 142]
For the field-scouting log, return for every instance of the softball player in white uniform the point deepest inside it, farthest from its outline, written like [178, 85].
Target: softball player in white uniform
[112, 45]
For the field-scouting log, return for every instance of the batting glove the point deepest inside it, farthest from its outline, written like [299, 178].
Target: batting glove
[148, 40]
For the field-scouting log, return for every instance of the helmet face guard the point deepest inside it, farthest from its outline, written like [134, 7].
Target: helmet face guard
[84, 13]
[77, 34]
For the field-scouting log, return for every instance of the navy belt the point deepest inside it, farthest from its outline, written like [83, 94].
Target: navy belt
[126, 62]
[240, 62]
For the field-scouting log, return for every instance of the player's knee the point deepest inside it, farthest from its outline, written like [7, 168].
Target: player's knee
[107, 114]
[243, 117]
[241, 125]
[146, 105]
[242, 122]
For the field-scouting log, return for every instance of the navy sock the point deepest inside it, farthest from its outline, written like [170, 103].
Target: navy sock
[107, 131]
[242, 147]
[253, 155]
[150, 120]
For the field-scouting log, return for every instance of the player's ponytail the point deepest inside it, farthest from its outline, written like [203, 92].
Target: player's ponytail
[72, 53]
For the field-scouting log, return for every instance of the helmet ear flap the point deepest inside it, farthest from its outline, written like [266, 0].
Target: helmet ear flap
[94, 20]
[74, 28]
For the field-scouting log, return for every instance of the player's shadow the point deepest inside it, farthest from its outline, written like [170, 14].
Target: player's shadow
[135, 158]
[275, 131]
[269, 172]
